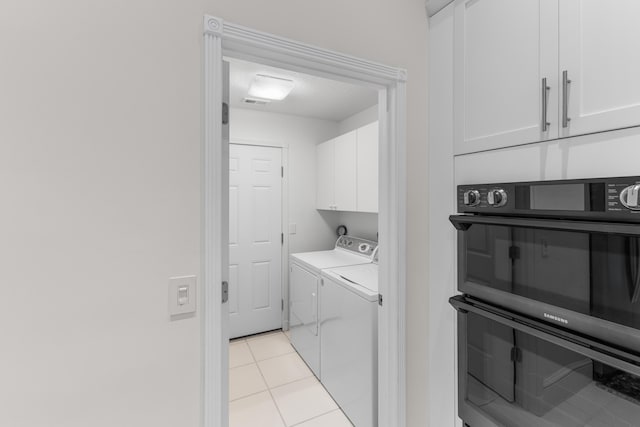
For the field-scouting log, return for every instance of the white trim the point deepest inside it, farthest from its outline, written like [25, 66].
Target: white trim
[244, 43]
[285, 230]
[214, 314]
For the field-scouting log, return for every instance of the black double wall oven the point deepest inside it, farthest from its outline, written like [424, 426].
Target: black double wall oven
[549, 319]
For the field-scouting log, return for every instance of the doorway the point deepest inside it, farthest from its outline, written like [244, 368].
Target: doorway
[222, 38]
[329, 131]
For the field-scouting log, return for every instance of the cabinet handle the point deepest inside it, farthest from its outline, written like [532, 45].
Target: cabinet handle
[565, 99]
[545, 101]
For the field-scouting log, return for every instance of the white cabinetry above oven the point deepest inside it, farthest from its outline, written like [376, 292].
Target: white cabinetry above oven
[535, 70]
[347, 171]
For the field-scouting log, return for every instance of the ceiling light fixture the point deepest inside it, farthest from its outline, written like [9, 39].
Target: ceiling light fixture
[269, 87]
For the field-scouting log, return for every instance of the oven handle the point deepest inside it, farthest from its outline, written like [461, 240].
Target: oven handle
[463, 222]
[634, 269]
[608, 355]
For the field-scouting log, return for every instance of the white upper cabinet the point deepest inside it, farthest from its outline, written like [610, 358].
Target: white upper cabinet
[345, 174]
[503, 51]
[599, 43]
[336, 173]
[325, 166]
[347, 171]
[367, 166]
[506, 52]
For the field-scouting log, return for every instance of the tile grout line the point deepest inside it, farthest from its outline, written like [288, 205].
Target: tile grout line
[271, 394]
[255, 392]
[337, 408]
[269, 388]
[321, 415]
[252, 357]
[279, 355]
[249, 395]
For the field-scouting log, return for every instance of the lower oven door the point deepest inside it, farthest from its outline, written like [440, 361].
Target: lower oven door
[514, 372]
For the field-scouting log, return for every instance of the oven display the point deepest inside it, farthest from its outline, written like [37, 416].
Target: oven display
[565, 197]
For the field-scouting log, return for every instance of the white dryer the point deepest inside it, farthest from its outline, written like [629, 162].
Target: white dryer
[304, 279]
[349, 340]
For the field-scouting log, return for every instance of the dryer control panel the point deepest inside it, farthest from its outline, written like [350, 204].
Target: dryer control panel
[357, 245]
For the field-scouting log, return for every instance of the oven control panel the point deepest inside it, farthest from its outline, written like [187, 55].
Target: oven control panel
[484, 197]
[599, 198]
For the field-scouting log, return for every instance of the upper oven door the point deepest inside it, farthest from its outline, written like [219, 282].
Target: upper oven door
[578, 274]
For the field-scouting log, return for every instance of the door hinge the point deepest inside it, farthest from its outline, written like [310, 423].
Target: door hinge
[225, 292]
[225, 113]
[380, 299]
[516, 354]
[282, 239]
[282, 171]
[281, 305]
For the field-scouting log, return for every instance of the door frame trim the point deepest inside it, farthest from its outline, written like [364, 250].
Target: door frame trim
[226, 39]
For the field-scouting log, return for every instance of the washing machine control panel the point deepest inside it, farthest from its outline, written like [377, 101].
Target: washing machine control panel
[357, 245]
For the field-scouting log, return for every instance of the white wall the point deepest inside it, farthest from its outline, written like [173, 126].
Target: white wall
[442, 236]
[100, 183]
[315, 230]
[360, 224]
[359, 119]
[100, 189]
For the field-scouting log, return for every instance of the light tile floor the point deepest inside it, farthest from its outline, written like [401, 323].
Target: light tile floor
[271, 386]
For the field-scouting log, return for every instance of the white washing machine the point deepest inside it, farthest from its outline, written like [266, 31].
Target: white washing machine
[304, 279]
[349, 340]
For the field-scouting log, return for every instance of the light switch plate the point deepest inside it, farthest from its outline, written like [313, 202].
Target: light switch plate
[182, 295]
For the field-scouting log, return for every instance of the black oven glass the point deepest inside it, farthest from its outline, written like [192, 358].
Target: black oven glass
[515, 379]
[591, 273]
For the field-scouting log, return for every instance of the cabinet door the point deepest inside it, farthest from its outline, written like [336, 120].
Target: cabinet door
[325, 166]
[367, 166]
[502, 51]
[345, 172]
[599, 51]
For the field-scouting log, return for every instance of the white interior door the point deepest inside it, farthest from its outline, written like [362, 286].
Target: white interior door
[255, 245]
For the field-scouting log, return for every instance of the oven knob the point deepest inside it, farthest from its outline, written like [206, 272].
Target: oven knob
[497, 198]
[471, 197]
[630, 198]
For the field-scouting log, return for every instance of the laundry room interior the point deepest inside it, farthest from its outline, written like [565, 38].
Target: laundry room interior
[303, 199]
